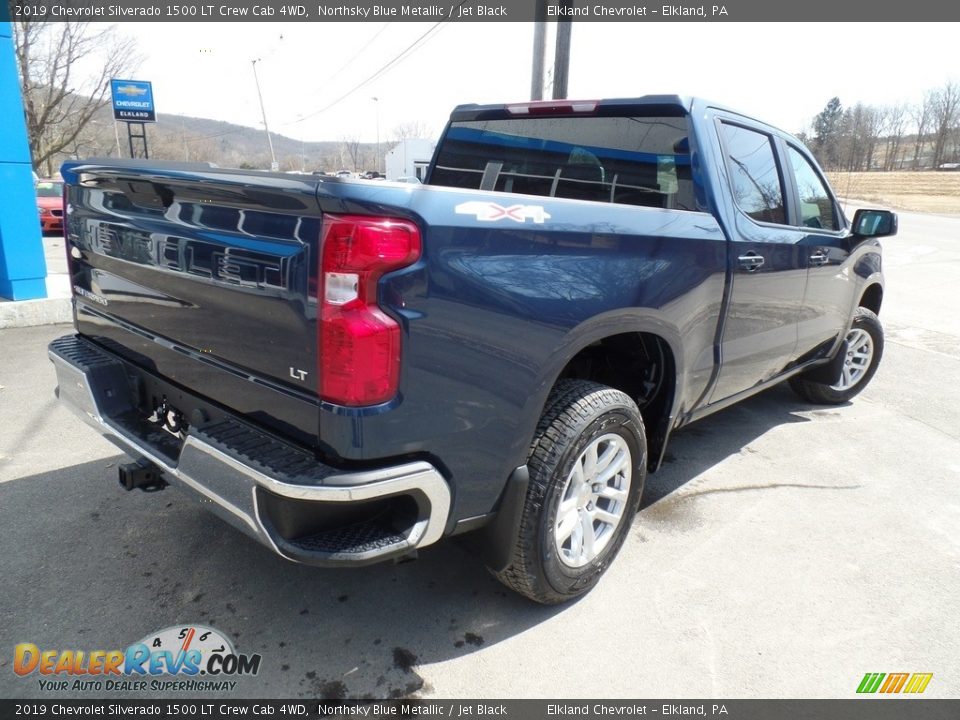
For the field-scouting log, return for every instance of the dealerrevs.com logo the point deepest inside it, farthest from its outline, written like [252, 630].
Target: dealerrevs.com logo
[179, 658]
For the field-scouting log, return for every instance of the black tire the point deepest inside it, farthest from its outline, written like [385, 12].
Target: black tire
[838, 392]
[579, 414]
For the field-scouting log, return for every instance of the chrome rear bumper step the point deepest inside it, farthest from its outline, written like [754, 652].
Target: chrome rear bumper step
[274, 491]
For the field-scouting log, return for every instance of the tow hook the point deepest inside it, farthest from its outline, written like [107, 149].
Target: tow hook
[142, 474]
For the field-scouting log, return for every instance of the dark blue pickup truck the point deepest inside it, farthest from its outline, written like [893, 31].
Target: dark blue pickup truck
[348, 370]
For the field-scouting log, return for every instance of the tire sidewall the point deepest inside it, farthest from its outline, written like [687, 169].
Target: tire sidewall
[870, 325]
[573, 581]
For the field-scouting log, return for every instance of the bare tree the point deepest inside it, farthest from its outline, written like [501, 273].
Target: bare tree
[873, 121]
[955, 142]
[922, 117]
[414, 130]
[350, 151]
[59, 102]
[946, 114]
[895, 124]
[369, 158]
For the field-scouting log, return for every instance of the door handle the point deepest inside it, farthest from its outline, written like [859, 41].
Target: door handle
[819, 258]
[751, 261]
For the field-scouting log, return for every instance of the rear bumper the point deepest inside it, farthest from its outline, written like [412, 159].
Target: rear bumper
[273, 491]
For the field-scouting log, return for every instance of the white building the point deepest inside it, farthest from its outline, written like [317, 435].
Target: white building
[410, 158]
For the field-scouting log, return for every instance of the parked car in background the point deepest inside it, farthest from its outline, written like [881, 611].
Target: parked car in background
[50, 205]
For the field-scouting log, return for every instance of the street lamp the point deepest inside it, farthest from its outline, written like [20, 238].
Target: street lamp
[377, 113]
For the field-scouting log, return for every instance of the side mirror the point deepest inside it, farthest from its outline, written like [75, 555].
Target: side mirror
[874, 223]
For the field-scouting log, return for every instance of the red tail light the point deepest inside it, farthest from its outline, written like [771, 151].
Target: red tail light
[359, 358]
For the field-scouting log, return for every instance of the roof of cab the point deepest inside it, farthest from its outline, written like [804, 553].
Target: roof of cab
[672, 104]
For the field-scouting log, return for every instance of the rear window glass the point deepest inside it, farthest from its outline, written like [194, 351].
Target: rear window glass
[628, 160]
[754, 175]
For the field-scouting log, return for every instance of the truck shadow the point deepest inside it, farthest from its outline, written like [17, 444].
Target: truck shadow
[92, 567]
[700, 446]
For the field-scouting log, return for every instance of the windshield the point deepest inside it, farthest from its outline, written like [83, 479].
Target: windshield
[49, 189]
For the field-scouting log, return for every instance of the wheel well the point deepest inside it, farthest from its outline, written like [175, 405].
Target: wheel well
[639, 364]
[872, 298]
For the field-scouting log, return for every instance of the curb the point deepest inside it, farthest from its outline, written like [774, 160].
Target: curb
[29, 313]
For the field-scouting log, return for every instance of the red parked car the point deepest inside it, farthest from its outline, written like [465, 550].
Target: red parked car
[50, 205]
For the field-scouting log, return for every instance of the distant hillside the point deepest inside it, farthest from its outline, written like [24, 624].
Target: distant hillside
[182, 137]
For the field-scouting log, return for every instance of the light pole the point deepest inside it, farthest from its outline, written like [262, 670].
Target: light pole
[376, 100]
[273, 158]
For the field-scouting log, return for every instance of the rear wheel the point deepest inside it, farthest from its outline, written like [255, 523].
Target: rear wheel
[587, 466]
[863, 348]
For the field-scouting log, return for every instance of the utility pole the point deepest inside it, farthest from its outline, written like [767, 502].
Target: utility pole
[561, 61]
[539, 50]
[377, 106]
[274, 166]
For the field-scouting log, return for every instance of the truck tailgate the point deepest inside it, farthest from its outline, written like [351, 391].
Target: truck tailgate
[202, 276]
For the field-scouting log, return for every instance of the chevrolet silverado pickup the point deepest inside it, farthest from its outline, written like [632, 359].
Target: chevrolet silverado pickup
[348, 371]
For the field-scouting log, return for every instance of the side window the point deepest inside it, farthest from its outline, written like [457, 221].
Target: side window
[757, 186]
[816, 206]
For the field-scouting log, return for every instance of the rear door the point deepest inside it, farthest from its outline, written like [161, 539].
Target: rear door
[767, 263]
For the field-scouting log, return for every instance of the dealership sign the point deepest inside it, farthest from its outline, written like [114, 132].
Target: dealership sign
[133, 101]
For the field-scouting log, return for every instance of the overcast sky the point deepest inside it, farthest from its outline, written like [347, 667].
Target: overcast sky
[782, 73]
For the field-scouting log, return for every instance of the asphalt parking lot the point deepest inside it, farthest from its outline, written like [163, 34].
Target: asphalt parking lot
[784, 550]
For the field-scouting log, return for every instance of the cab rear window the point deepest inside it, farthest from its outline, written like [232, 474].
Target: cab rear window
[636, 160]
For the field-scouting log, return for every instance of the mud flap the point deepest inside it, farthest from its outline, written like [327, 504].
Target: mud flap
[498, 537]
[830, 372]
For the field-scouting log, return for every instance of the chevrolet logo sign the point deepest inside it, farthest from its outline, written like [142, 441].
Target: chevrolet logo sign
[131, 90]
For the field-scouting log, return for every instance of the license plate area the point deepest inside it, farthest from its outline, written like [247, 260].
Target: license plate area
[149, 433]
[170, 419]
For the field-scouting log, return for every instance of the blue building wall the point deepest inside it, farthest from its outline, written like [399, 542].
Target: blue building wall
[23, 269]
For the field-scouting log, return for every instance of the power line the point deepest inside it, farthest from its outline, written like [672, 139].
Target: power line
[406, 52]
[197, 138]
[336, 73]
[370, 79]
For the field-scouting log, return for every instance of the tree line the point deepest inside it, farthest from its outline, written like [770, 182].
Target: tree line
[903, 136]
